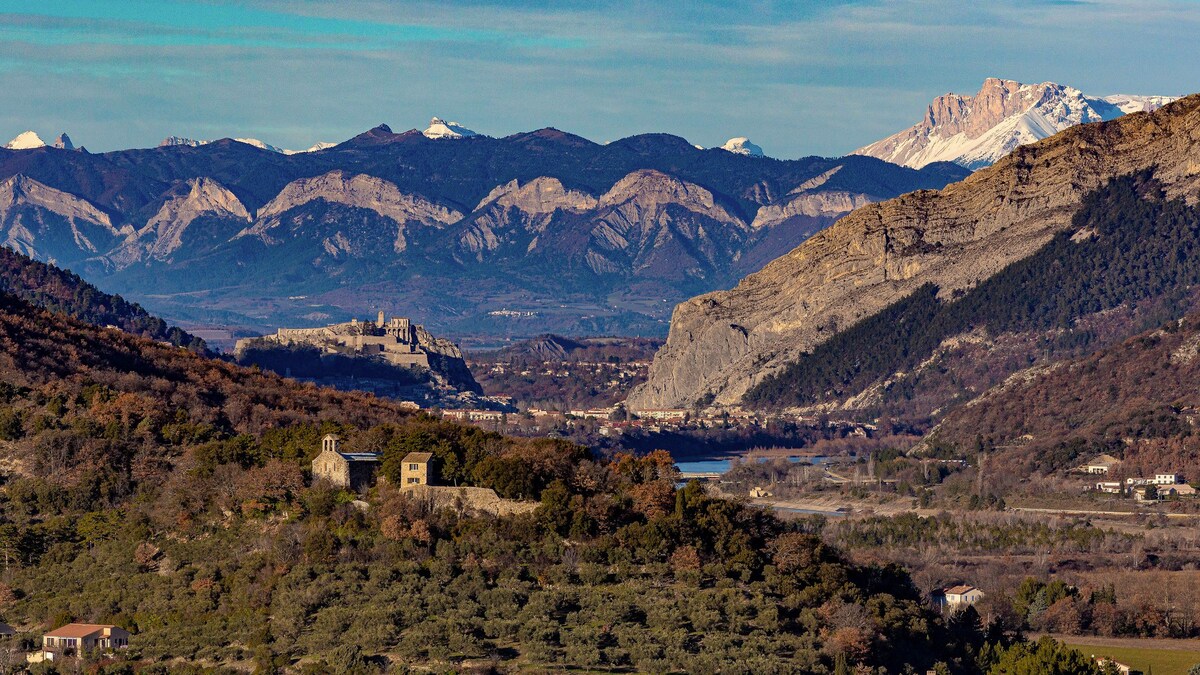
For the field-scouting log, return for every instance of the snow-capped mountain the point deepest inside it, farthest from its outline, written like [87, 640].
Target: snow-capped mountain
[190, 142]
[742, 146]
[975, 131]
[170, 141]
[63, 142]
[320, 145]
[27, 140]
[1131, 103]
[261, 145]
[439, 128]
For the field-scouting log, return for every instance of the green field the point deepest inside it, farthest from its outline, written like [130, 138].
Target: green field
[1146, 659]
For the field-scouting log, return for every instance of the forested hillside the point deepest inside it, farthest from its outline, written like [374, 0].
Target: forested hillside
[168, 493]
[1129, 246]
[58, 290]
[1137, 401]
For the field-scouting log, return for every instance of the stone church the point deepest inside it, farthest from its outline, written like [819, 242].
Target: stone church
[353, 470]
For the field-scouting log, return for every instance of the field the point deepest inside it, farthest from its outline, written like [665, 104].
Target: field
[1152, 657]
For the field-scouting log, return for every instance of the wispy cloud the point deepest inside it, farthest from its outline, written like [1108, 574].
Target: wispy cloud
[799, 77]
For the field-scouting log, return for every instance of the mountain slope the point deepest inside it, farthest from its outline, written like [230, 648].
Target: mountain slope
[975, 131]
[57, 290]
[1128, 257]
[1136, 400]
[723, 343]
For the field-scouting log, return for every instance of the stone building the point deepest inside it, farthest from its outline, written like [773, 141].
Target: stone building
[395, 340]
[416, 469]
[353, 470]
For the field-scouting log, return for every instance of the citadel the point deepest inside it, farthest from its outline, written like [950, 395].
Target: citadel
[396, 341]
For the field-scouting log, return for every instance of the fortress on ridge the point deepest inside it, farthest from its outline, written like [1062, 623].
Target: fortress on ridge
[396, 341]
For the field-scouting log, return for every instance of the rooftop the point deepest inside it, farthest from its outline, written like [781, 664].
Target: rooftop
[418, 457]
[80, 630]
[361, 456]
[959, 590]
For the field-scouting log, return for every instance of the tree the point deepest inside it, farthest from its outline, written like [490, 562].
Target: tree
[1044, 657]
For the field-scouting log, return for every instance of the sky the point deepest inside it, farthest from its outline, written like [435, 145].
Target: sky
[798, 78]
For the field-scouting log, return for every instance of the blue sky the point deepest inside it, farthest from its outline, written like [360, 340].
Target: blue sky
[797, 77]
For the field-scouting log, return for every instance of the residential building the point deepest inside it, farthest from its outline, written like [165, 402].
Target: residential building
[353, 470]
[955, 598]
[415, 469]
[1100, 464]
[1167, 479]
[1110, 486]
[76, 639]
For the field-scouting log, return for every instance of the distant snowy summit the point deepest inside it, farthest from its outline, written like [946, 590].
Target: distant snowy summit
[975, 131]
[193, 143]
[29, 140]
[742, 146]
[439, 128]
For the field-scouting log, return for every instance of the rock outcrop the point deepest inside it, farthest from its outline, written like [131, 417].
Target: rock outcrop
[975, 131]
[515, 212]
[50, 224]
[640, 218]
[168, 229]
[722, 343]
[359, 191]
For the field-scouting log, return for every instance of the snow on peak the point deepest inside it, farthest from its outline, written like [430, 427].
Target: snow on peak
[439, 128]
[63, 142]
[975, 131]
[261, 145]
[1131, 103]
[319, 145]
[741, 145]
[192, 143]
[26, 141]
[180, 140]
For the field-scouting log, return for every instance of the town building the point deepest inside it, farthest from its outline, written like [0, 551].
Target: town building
[1181, 490]
[663, 414]
[473, 415]
[1100, 464]
[77, 639]
[353, 470]
[958, 597]
[415, 469]
[1110, 486]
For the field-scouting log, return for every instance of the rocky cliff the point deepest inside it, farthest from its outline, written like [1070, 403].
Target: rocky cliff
[977, 130]
[721, 343]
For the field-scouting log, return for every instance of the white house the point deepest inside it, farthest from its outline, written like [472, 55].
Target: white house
[957, 597]
[1100, 464]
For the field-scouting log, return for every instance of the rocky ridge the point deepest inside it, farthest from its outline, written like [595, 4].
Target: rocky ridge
[721, 343]
[38, 220]
[975, 131]
[360, 191]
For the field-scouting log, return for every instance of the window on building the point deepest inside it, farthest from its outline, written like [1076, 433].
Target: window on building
[412, 467]
[414, 480]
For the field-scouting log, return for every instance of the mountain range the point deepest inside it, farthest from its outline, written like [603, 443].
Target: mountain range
[529, 233]
[975, 131]
[1065, 244]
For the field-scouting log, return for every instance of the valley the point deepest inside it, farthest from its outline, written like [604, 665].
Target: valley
[467, 398]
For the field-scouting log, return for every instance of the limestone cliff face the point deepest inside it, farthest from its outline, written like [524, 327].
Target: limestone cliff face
[168, 229]
[722, 343]
[810, 204]
[514, 212]
[357, 190]
[975, 131]
[648, 214]
[50, 224]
